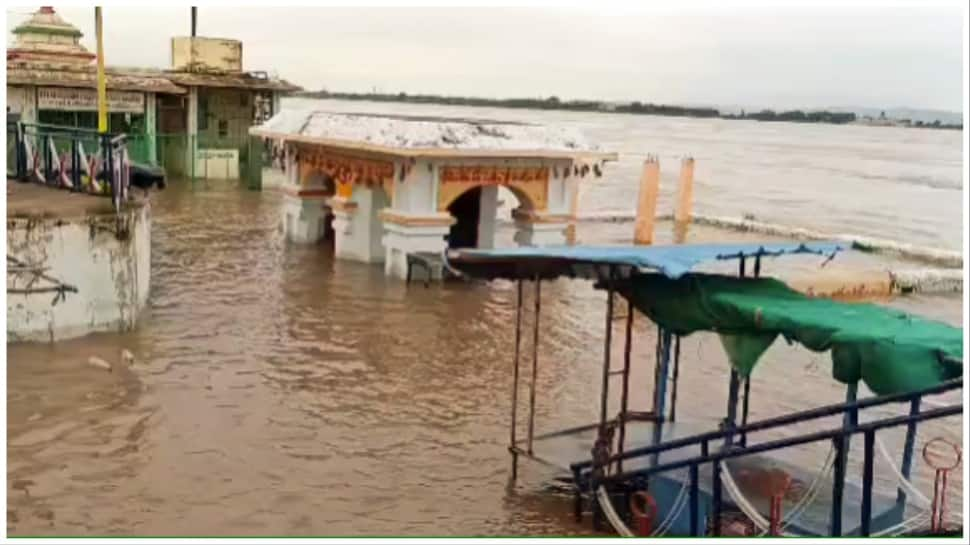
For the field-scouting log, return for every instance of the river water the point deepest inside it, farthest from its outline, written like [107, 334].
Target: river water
[280, 392]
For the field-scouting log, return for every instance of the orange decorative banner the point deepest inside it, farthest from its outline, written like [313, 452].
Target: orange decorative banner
[528, 183]
[345, 169]
[480, 175]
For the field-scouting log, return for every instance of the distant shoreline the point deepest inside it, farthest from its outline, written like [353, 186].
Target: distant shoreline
[553, 103]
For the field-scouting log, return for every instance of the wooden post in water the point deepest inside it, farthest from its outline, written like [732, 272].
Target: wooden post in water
[647, 203]
[685, 199]
[573, 212]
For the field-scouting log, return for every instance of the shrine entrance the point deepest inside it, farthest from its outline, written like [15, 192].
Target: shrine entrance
[466, 210]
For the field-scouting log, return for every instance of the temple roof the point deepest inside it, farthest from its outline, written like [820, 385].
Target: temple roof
[48, 52]
[47, 21]
[413, 136]
[46, 36]
[85, 76]
[237, 80]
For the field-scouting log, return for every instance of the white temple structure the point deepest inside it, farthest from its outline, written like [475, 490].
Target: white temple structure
[388, 186]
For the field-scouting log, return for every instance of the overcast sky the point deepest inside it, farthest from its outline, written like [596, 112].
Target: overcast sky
[748, 56]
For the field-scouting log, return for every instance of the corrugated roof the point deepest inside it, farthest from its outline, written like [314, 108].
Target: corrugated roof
[25, 72]
[85, 76]
[241, 80]
[422, 136]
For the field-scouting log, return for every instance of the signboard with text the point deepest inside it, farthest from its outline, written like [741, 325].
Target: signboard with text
[77, 100]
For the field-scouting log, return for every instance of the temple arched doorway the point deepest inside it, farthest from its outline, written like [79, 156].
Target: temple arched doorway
[325, 186]
[466, 210]
[475, 212]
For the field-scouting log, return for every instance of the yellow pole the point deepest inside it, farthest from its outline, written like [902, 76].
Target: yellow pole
[102, 86]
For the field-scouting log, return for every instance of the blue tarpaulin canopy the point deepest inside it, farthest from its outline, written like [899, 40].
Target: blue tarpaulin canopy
[594, 262]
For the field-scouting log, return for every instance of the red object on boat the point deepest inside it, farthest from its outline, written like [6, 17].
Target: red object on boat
[644, 515]
[943, 463]
[774, 527]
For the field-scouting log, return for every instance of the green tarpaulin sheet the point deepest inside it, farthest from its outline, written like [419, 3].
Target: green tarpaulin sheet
[890, 350]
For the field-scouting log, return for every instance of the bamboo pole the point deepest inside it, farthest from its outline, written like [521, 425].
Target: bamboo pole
[647, 203]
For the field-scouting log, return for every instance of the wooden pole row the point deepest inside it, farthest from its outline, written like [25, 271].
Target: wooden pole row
[649, 194]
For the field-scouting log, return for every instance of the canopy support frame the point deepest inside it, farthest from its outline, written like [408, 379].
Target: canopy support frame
[730, 421]
[625, 394]
[660, 388]
[842, 445]
[744, 408]
[535, 363]
[607, 344]
[906, 467]
[676, 379]
[513, 448]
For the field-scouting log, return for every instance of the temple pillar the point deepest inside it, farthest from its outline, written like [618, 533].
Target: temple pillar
[305, 207]
[344, 211]
[540, 229]
[357, 226]
[275, 102]
[407, 234]
[304, 217]
[488, 209]
[151, 128]
[192, 130]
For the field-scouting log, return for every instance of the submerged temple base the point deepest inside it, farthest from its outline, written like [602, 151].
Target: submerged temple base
[406, 235]
[362, 232]
[304, 218]
[532, 229]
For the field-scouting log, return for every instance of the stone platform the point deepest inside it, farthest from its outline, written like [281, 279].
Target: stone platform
[74, 266]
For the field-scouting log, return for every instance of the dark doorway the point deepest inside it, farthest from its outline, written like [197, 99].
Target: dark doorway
[171, 139]
[465, 209]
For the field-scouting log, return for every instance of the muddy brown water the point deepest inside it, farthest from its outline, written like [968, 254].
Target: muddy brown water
[280, 392]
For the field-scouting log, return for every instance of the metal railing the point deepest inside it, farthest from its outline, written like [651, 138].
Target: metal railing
[70, 158]
[589, 475]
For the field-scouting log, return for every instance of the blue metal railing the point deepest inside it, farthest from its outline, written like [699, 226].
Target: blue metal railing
[589, 474]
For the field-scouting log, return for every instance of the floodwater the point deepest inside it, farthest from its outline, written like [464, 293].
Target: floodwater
[280, 392]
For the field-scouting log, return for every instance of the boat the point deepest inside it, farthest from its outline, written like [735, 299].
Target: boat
[653, 474]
